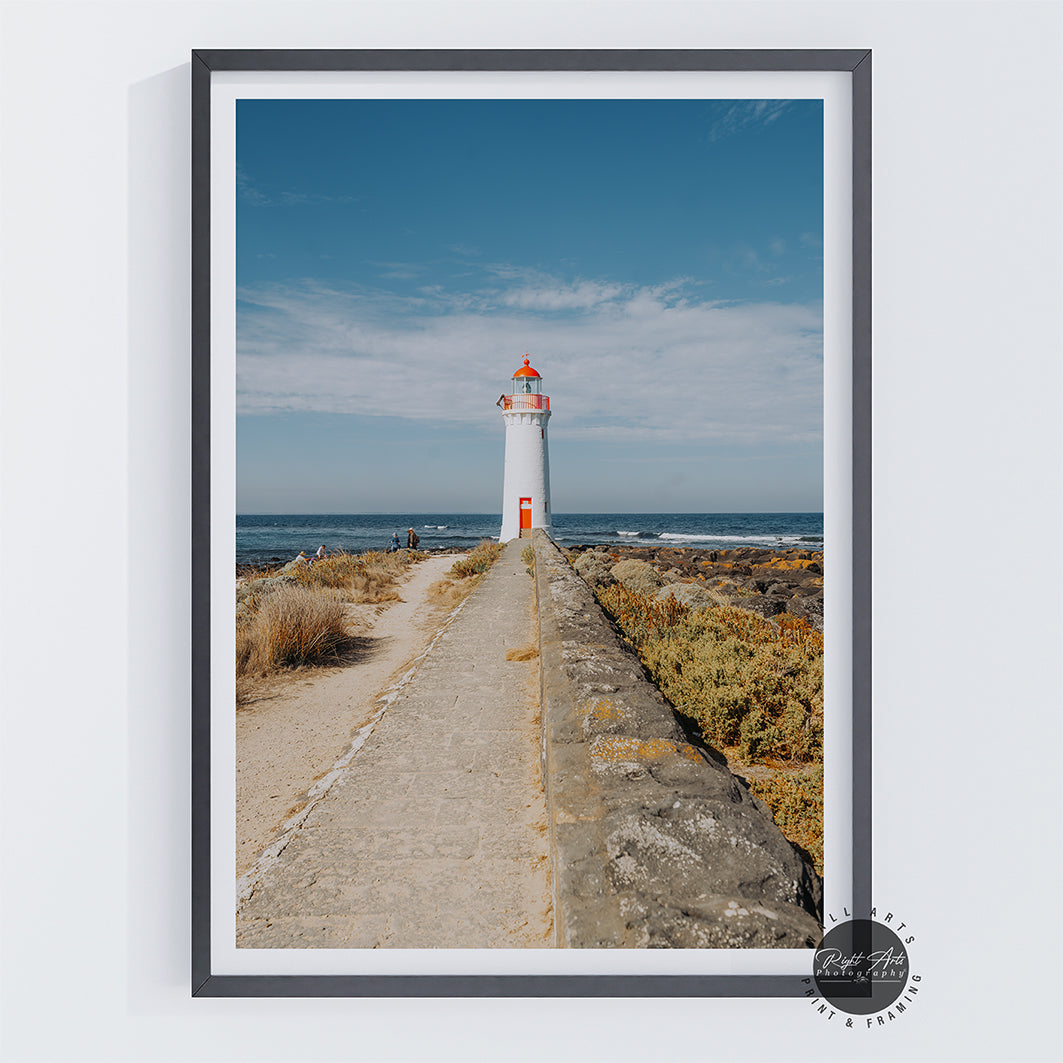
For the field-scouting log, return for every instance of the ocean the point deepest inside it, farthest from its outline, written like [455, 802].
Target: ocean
[262, 538]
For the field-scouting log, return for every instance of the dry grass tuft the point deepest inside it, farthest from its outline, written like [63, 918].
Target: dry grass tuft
[527, 653]
[479, 561]
[464, 575]
[367, 577]
[295, 625]
[253, 572]
[247, 690]
[448, 594]
[300, 618]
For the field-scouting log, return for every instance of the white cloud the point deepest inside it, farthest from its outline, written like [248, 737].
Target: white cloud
[246, 189]
[249, 191]
[547, 295]
[620, 362]
[744, 114]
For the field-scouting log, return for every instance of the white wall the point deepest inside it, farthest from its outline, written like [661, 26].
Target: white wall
[95, 520]
[526, 472]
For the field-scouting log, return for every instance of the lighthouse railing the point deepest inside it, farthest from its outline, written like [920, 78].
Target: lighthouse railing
[526, 402]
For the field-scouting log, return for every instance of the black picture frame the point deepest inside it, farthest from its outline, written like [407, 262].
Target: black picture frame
[204, 64]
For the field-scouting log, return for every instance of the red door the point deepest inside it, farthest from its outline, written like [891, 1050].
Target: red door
[525, 514]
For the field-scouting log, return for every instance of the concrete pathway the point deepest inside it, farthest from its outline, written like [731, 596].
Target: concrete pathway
[435, 833]
[315, 714]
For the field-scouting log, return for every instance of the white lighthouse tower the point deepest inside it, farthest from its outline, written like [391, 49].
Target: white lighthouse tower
[526, 484]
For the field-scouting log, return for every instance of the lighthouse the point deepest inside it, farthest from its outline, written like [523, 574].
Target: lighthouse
[526, 483]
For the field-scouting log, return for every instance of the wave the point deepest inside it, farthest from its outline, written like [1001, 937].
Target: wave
[769, 539]
[438, 527]
[780, 538]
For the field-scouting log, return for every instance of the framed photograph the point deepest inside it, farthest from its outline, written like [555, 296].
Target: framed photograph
[486, 714]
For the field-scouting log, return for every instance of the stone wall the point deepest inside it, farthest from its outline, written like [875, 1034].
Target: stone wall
[655, 843]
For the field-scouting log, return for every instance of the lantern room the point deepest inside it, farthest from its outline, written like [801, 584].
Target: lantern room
[527, 390]
[526, 381]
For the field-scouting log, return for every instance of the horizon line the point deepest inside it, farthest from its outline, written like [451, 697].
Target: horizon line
[571, 513]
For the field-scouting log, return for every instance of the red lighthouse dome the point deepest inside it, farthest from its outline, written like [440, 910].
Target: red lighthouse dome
[525, 370]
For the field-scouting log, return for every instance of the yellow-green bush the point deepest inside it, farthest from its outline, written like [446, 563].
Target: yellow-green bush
[750, 683]
[746, 683]
[754, 687]
[641, 618]
[796, 802]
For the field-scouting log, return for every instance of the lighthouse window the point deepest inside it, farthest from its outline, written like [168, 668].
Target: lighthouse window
[527, 387]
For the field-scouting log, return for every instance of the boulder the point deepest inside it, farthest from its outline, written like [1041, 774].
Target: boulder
[638, 576]
[594, 566]
[763, 605]
[259, 587]
[761, 580]
[687, 594]
[808, 607]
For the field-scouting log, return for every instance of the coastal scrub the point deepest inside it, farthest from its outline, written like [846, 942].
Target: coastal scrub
[295, 625]
[753, 686]
[368, 577]
[464, 575]
[479, 561]
[297, 615]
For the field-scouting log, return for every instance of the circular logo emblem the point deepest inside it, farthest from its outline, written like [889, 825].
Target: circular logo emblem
[861, 967]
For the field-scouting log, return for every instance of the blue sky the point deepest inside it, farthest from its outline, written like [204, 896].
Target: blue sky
[660, 260]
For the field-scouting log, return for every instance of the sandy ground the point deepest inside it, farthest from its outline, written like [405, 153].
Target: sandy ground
[298, 726]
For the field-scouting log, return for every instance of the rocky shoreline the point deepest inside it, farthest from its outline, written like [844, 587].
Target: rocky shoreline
[657, 844]
[765, 582]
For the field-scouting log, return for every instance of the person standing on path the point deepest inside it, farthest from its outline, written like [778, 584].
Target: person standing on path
[412, 539]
